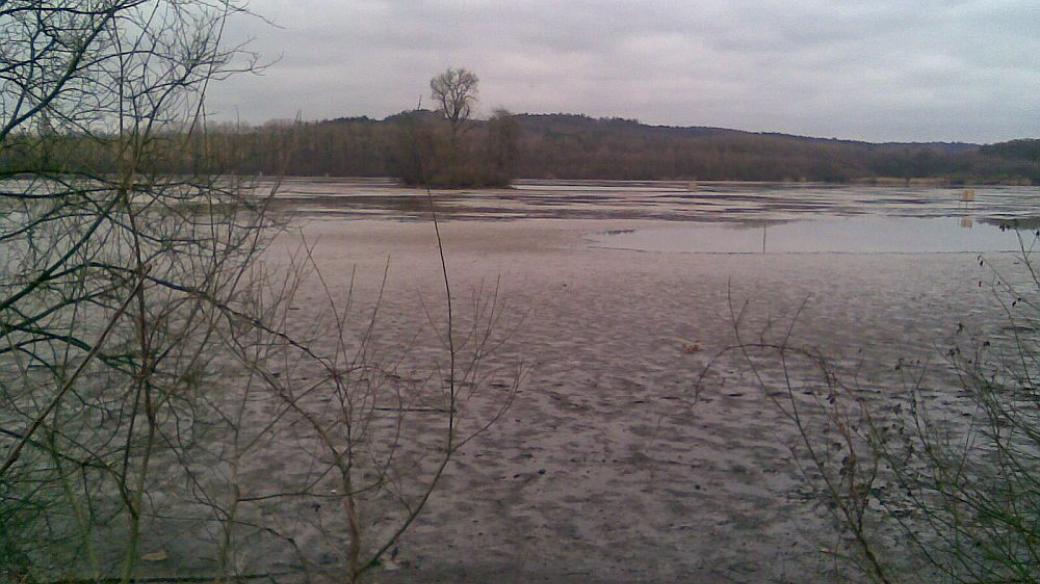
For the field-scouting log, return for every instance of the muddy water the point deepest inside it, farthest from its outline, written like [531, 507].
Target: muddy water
[860, 234]
[639, 449]
[670, 201]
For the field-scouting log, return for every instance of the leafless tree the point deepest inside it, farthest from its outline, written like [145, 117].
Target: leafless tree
[144, 348]
[503, 135]
[113, 274]
[455, 92]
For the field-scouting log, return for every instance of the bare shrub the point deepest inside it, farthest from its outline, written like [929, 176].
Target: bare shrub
[152, 382]
[919, 490]
[370, 433]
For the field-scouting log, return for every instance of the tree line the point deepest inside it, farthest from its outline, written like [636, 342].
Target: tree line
[425, 146]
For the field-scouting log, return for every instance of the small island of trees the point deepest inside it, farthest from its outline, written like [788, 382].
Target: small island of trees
[444, 149]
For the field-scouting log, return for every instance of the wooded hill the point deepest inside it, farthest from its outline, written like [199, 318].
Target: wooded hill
[565, 146]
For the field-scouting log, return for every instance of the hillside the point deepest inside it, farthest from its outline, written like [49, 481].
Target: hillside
[562, 146]
[569, 146]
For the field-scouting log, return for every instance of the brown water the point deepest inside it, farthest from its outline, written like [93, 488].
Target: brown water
[829, 234]
[671, 201]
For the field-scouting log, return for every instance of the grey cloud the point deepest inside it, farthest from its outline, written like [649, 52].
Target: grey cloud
[877, 70]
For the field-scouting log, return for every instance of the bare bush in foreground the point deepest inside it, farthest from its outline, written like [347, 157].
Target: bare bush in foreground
[922, 490]
[159, 410]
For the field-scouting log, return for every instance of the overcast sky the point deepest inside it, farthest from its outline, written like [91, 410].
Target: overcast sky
[879, 70]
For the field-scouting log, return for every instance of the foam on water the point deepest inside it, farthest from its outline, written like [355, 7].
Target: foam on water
[832, 234]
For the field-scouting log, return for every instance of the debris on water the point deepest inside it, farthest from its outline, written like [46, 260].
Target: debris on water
[689, 346]
[157, 556]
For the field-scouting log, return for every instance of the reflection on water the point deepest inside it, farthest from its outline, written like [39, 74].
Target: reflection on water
[825, 235]
[655, 200]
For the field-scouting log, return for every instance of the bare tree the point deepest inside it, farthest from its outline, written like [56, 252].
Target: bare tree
[150, 372]
[455, 92]
[115, 279]
[503, 136]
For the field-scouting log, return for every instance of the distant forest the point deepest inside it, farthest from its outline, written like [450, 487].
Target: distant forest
[564, 146]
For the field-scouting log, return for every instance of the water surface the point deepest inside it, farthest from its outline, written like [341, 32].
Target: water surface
[857, 234]
[655, 200]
